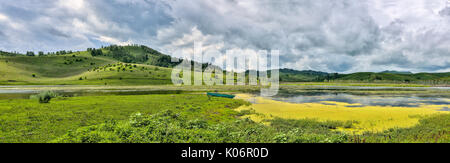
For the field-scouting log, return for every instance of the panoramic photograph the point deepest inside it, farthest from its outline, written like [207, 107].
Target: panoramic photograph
[225, 71]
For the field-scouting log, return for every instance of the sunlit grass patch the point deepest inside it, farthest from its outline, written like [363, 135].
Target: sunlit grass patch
[369, 118]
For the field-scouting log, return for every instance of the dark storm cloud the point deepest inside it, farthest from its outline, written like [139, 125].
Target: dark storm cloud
[58, 33]
[334, 36]
[445, 12]
[78, 24]
[318, 29]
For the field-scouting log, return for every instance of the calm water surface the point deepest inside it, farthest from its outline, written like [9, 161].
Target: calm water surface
[404, 100]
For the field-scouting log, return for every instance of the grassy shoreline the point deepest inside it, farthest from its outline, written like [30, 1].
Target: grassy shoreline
[186, 118]
[25, 120]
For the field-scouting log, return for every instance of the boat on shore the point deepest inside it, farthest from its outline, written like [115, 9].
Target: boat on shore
[220, 95]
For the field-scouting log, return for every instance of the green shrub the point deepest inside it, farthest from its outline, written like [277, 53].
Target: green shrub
[45, 96]
[197, 124]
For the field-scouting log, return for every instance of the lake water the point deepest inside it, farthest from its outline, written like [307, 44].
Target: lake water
[364, 100]
[24, 93]
[374, 112]
[310, 96]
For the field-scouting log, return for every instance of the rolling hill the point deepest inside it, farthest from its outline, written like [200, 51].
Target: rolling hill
[425, 78]
[141, 65]
[289, 75]
[137, 54]
[78, 68]
[396, 72]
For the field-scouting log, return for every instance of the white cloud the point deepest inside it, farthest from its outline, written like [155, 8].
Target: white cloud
[334, 36]
[3, 17]
[113, 40]
[72, 4]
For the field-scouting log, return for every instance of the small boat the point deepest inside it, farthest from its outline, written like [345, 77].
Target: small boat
[219, 95]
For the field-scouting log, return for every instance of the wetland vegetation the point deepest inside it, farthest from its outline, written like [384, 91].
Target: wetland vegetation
[193, 117]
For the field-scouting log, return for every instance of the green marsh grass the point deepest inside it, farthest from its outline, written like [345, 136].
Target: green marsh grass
[181, 118]
[26, 120]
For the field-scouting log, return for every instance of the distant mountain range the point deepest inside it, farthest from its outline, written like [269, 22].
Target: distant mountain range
[396, 72]
[289, 75]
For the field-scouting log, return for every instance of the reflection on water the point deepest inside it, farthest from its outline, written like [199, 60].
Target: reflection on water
[380, 87]
[445, 109]
[11, 91]
[364, 100]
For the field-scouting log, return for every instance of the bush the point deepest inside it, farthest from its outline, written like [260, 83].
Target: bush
[197, 124]
[45, 97]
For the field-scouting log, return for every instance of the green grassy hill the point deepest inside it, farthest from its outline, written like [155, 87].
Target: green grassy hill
[137, 54]
[78, 68]
[289, 75]
[55, 66]
[431, 78]
[3, 53]
[141, 65]
[396, 72]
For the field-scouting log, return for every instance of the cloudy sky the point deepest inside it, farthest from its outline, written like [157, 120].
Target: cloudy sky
[325, 35]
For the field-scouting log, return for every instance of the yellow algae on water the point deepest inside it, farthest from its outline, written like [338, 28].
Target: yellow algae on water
[366, 118]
